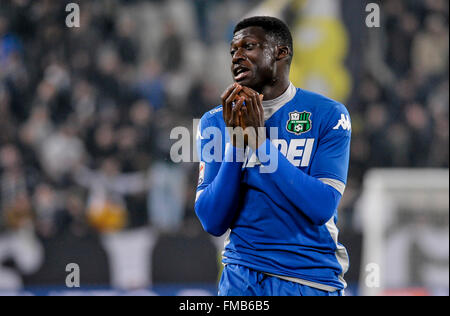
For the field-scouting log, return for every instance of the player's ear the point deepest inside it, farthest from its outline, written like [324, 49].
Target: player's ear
[282, 52]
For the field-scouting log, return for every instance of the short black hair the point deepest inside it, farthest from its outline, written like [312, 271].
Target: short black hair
[274, 27]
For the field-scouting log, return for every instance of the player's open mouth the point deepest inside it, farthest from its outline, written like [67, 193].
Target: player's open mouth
[240, 73]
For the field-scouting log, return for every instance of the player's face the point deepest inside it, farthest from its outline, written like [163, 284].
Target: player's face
[253, 60]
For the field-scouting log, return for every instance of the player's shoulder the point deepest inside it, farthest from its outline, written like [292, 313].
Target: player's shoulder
[213, 113]
[332, 115]
[323, 103]
[212, 117]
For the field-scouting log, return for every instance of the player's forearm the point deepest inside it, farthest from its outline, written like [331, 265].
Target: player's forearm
[217, 204]
[315, 199]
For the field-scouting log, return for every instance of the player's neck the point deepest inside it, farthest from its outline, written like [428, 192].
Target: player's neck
[272, 106]
[276, 89]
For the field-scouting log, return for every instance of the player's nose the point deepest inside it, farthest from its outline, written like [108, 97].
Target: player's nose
[238, 56]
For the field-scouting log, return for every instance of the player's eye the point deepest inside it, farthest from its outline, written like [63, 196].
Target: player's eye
[249, 46]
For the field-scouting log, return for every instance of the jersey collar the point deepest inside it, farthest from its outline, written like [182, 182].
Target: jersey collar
[271, 106]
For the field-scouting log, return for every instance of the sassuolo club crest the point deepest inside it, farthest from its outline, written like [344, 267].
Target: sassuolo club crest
[299, 122]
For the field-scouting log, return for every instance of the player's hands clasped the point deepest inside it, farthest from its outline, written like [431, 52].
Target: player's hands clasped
[249, 115]
[252, 113]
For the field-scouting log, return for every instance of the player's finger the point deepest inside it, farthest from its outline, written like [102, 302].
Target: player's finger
[223, 97]
[235, 111]
[231, 98]
[238, 106]
[260, 106]
[255, 109]
[235, 119]
[234, 93]
[239, 103]
[226, 106]
[255, 99]
[256, 103]
[227, 92]
[252, 96]
[243, 117]
[250, 108]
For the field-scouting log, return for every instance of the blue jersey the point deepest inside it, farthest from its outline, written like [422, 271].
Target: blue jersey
[281, 222]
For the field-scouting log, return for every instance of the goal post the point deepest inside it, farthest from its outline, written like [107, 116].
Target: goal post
[404, 217]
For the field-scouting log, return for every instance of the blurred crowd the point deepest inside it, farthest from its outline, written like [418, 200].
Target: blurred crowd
[86, 112]
[399, 107]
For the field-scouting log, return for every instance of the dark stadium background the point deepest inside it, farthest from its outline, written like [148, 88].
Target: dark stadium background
[85, 117]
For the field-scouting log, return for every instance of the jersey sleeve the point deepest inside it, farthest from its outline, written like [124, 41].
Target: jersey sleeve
[318, 193]
[208, 167]
[331, 159]
[220, 178]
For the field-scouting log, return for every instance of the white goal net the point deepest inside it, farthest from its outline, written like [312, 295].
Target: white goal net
[404, 215]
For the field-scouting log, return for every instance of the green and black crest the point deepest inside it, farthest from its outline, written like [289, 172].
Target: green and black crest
[299, 123]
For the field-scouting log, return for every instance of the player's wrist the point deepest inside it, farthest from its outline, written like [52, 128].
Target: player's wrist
[265, 151]
[256, 137]
[233, 153]
[236, 135]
